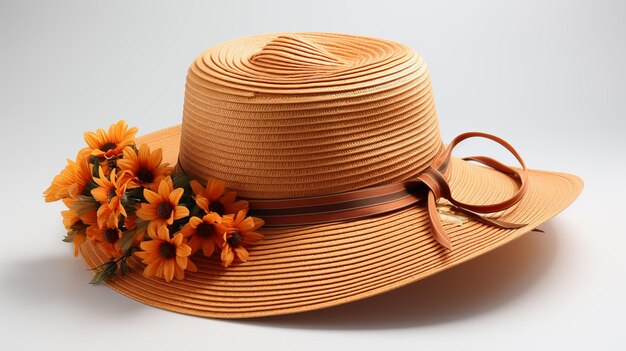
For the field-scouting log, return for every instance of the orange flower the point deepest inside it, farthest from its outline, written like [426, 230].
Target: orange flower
[213, 199]
[110, 144]
[144, 168]
[76, 227]
[71, 181]
[205, 233]
[162, 207]
[166, 257]
[107, 239]
[109, 193]
[240, 233]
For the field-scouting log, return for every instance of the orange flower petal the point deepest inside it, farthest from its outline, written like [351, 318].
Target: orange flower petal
[194, 221]
[150, 245]
[183, 250]
[155, 158]
[79, 239]
[180, 212]
[228, 198]
[151, 269]
[100, 194]
[177, 239]
[202, 202]
[152, 231]
[165, 188]
[258, 223]
[208, 247]
[72, 190]
[168, 270]
[191, 266]
[103, 215]
[163, 233]
[242, 253]
[252, 237]
[151, 196]
[144, 152]
[147, 212]
[246, 225]
[153, 227]
[211, 218]
[175, 196]
[227, 256]
[215, 189]
[179, 273]
[91, 139]
[237, 206]
[122, 209]
[197, 188]
[241, 215]
[181, 261]
[195, 243]
[160, 269]
[188, 230]
[228, 220]
[151, 257]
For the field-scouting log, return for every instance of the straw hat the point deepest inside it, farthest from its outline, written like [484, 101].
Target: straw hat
[334, 140]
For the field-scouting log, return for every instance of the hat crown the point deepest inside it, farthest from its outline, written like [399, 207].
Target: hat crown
[302, 114]
[294, 55]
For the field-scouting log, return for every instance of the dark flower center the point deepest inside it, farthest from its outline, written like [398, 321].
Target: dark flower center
[167, 250]
[108, 146]
[217, 207]
[111, 236]
[145, 175]
[205, 230]
[234, 239]
[112, 193]
[165, 210]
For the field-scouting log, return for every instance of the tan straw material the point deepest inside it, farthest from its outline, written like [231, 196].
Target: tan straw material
[290, 115]
[308, 114]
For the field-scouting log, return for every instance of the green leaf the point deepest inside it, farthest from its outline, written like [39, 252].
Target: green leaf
[135, 194]
[105, 272]
[96, 167]
[180, 180]
[127, 238]
[128, 202]
[84, 205]
[195, 211]
[124, 268]
[89, 187]
[78, 226]
[69, 238]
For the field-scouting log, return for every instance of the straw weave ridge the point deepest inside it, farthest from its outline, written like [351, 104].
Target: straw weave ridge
[300, 114]
[304, 268]
[290, 115]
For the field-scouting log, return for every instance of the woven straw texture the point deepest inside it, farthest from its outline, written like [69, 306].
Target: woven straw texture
[290, 115]
[305, 268]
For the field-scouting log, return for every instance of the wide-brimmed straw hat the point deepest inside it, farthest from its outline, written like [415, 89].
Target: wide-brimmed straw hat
[334, 141]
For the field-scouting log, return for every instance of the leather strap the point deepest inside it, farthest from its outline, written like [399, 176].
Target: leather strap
[430, 186]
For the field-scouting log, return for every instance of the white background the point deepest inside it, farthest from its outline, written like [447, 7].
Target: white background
[548, 76]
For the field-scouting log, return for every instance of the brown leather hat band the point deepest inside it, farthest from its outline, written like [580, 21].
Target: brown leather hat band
[428, 187]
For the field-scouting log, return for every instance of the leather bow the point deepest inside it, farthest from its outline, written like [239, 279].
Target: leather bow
[438, 187]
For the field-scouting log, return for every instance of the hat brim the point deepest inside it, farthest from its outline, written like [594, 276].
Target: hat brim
[311, 267]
